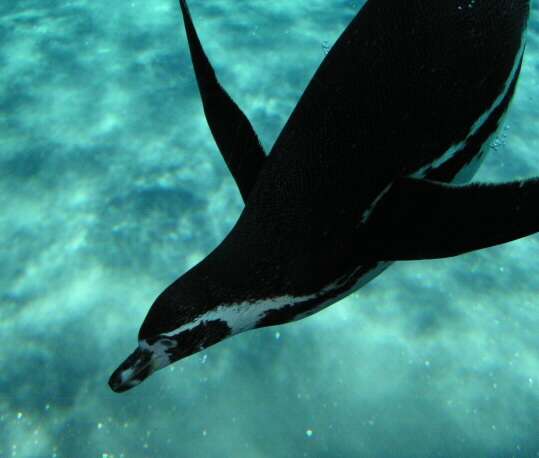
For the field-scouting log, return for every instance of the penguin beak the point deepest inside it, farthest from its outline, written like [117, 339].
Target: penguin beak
[132, 371]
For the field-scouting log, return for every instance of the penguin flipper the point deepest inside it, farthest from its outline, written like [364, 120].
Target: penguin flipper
[421, 219]
[232, 131]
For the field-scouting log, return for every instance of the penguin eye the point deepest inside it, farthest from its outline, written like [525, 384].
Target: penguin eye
[167, 343]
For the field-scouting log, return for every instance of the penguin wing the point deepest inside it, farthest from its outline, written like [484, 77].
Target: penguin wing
[422, 219]
[232, 131]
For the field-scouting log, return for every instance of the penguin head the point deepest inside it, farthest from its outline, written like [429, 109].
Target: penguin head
[172, 330]
[154, 353]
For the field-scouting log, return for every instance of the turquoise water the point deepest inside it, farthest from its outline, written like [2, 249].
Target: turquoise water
[111, 186]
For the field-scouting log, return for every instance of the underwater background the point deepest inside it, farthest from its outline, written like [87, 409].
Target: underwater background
[111, 186]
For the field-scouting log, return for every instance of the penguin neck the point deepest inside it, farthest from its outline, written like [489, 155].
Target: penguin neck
[265, 266]
[233, 274]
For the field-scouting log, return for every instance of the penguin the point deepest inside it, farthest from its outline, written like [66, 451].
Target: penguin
[372, 167]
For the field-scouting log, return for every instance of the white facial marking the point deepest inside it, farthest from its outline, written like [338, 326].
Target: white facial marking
[126, 375]
[243, 316]
[134, 382]
[160, 358]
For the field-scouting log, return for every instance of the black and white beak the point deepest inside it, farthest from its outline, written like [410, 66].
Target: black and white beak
[132, 371]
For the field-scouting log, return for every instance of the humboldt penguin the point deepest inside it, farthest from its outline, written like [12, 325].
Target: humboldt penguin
[371, 167]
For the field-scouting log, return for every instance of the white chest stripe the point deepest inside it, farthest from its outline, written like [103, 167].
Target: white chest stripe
[469, 169]
[453, 150]
[367, 213]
